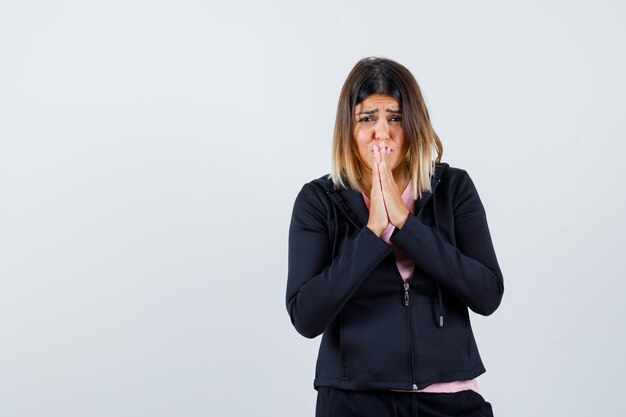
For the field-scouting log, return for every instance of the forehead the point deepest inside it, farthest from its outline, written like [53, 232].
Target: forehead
[378, 101]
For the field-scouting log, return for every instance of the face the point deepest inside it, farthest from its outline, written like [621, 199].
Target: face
[378, 121]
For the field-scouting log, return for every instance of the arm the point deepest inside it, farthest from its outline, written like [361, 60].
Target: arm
[318, 287]
[470, 270]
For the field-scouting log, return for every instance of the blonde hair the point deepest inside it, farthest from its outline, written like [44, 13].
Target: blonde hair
[383, 76]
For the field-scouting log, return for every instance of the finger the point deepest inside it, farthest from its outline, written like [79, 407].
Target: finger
[386, 175]
[386, 156]
[378, 153]
[378, 157]
[376, 171]
[375, 159]
[373, 155]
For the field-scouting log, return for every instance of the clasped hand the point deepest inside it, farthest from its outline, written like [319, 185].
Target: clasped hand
[386, 205]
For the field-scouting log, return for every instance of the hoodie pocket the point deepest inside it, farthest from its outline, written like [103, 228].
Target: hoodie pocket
[374, 343]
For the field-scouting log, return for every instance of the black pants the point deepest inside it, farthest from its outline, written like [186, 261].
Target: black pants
[333, 402]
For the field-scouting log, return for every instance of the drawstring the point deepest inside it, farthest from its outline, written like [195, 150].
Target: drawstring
[440, 313]
[439, 316]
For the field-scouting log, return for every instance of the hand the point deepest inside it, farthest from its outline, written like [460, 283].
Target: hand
[397, 212]
[378, 219]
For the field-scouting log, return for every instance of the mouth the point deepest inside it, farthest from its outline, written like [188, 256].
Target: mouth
[383, 147]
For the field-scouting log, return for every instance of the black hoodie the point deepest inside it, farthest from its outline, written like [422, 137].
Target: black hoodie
[343, 282]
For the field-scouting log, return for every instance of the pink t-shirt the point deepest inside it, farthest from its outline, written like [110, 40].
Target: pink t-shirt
[406, 266]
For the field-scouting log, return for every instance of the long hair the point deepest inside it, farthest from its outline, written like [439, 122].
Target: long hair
[375, 75]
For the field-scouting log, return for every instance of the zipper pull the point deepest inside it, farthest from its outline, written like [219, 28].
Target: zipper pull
[406, 294]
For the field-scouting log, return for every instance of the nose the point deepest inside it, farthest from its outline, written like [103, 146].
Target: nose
[381, 130]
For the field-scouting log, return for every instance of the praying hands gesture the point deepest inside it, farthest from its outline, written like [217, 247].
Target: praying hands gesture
[386, 205]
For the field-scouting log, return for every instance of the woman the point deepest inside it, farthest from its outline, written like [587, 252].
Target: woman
[386, 255]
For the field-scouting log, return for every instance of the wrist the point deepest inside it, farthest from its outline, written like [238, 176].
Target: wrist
[403, 221]
[376, 230]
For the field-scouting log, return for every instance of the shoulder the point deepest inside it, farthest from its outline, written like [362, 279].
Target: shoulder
[455, 177]
[322, 186]
[324, 183]
[313, 195]
[457, 185]
[462, 191]
[451, 173]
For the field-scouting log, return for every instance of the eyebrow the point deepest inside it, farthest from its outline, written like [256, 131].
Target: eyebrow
[376, 111]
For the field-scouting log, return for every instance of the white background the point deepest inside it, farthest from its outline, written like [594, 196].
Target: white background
[150, 153]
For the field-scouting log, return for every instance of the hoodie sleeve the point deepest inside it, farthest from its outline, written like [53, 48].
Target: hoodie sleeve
[470, 270]
[317, 286]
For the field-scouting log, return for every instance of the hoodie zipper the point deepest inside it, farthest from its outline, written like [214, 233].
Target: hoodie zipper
[408, 322]
[406, 294]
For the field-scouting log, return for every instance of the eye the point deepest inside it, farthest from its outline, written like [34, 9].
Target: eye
[366, 119]
[396, 119]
